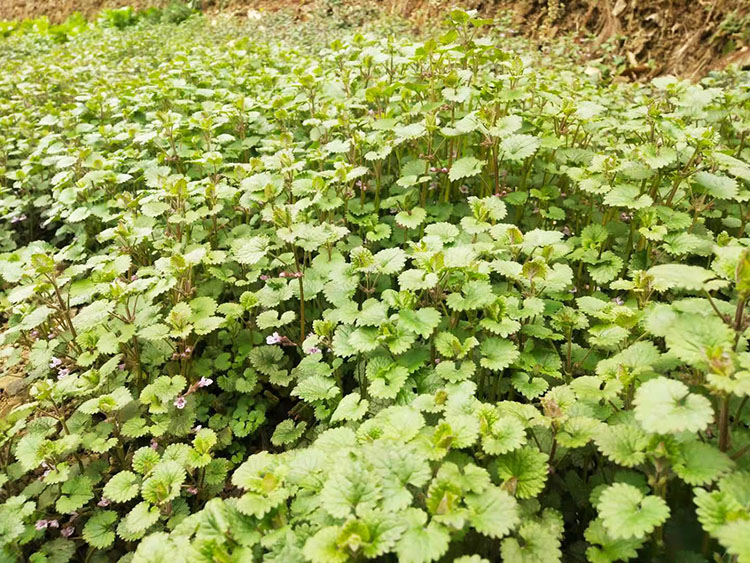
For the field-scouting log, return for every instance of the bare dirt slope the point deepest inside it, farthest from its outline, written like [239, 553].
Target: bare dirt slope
[647, 37]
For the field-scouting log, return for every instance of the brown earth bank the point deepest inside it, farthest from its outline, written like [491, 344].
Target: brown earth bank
[642, 38]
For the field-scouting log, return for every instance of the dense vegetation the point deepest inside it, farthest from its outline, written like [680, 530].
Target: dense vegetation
[383, 299]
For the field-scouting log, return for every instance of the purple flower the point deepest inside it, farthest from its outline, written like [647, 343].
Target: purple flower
[121, 367]
[65, 372]
[205, 382]
[41, 524]
[314, 350]
[437, 361]
[180, 402]
[618, 300]
[103, 502]
[192, 490]
[53, 523]
[154, 444]
[264, 277]
[67, 531]
[464, 189]
[34, 334]
[566, 231]
[273, 339]
[18, 219]
[54, 362]
[51, 335]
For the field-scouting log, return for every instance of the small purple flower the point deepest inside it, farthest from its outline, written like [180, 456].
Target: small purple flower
[154, 444]
[46, 472]
[121, 367]
[444, 170]
[433, 169]
[464, 189]
[51, 335]
[314, 350]
[41, 524]
[437, 361]
[65, 372]
[18, 219]
[103, 502]
[264, 277]
[574, 290]
[275, 338]
[205, 382]
[192, 490]
[54, 362]
[618, 300]
[34, 334]
[53, 523]
[566, 231]
[180, 402]
[67, 531]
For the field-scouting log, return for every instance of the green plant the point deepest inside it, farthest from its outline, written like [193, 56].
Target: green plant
[378, 298]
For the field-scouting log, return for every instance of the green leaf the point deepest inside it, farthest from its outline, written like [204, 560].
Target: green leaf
[699, 463]
[493, 512]
[421, 321]
[465, 167]
[506, 434]
[664, 406]
[519, 147]
[122, 487]
[627, 513]
[423, 544]
[351, 407]
[735, 537]
[288, 433]
[99, 529]
[411, 219]
[164, 482]
[680, 276]
[249, 250]
[75, 493]
[624, 444]
[523, 471]
[605, 548]
[415, 280]
[720, 187]
[498, 354]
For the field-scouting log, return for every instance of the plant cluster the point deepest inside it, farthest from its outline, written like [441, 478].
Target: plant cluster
[75, 24]
[435, 300]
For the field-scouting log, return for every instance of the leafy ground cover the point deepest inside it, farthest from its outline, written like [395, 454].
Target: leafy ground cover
[386, 299]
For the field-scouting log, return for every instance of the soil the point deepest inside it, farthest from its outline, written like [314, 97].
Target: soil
[644, 38]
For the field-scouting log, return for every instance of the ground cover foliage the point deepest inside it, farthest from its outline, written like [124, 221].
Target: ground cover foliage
[386, 299]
